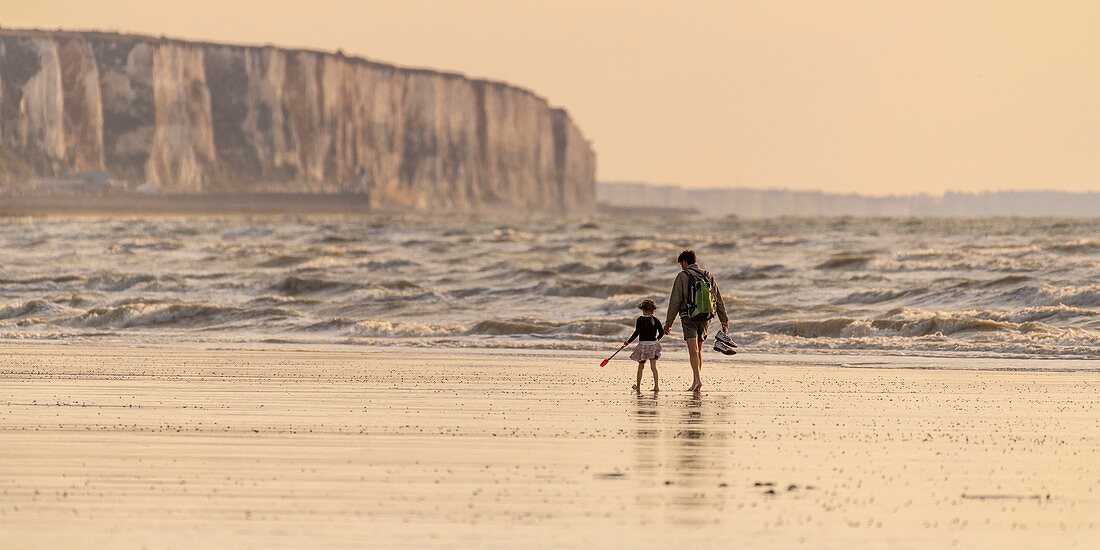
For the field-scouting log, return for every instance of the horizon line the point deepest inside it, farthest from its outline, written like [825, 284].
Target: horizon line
[942, 194]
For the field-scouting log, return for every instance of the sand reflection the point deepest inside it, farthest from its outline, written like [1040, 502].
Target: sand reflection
[681, 453]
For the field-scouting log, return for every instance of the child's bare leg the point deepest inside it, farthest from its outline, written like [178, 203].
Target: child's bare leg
[656, 382]
[641, 370]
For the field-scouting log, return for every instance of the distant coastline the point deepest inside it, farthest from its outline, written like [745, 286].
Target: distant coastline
[764, 203]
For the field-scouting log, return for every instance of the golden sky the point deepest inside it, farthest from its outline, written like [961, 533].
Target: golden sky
[870, 96]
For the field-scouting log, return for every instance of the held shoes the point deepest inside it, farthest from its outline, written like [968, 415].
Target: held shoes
[723, 344]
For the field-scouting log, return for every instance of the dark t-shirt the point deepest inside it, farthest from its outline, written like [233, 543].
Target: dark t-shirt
[649, 329]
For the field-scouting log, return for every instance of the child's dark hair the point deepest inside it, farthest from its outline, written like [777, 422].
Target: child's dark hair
[647, 305]
[686, 256]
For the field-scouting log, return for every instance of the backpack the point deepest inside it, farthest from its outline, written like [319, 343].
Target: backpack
[701, 300]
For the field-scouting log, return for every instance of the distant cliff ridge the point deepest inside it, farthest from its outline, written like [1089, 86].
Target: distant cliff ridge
[190, 117]
[763, 203]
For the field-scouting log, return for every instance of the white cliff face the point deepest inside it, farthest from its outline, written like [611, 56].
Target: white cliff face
[41, 106]
[193, 117]
[82, 106]
[182, 152]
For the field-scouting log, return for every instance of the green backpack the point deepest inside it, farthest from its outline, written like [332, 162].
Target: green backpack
[701, 303]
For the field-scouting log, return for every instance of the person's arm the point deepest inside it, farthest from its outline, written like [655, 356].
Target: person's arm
[675, 300]
[637, 325]
[719, 305]
[660, 329]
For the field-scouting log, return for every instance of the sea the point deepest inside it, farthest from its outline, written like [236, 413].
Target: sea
[990, 287]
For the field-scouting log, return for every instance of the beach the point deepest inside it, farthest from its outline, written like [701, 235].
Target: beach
[272, 446]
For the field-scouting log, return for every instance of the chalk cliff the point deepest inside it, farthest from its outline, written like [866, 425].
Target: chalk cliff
[192, 117]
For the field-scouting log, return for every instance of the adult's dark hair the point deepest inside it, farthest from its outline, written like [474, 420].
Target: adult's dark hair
[686, 256]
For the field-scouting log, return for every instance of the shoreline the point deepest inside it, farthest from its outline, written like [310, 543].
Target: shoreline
[913, 359]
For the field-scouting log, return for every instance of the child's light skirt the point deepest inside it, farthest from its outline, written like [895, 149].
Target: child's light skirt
[646, 351]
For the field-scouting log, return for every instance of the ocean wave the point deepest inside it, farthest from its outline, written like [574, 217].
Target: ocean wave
[1005, 281]
[846, 261]
[879, 296]
[828, 328]
[527, 327]
[578, 268]
[33, 308]
[336, 324]
[783, 241]
[945, 324]
[43, 279]
[587, 289]
[272, 300]
[175, 316]
[387, 264]
[511, 327]
[992, 264]
[399, 284]
[1068, 296]
[1068, 344]
[135, 246]
[533, 273]
[507, 235]
[284, 261]
[114, 282]
[331, 238]
[293, 285]
[722, 245]
[646, 247]
[398, 329]
[929, 256]
[397, 291]
[751, 273]
[376, 328]
[1060, 312]
[551, 248]
[1082, 246]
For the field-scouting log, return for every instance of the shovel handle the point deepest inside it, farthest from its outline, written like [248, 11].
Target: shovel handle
[606, 361]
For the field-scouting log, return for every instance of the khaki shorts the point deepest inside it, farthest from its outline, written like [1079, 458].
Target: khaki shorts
[695, 328]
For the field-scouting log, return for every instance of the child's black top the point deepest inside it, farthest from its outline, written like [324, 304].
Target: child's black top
[648, 328]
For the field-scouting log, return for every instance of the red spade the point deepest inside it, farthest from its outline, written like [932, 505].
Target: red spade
[605, 361]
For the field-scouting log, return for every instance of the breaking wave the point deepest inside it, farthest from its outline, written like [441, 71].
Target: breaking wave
[174, 315]
[916, 323]
[32, 308]
[520, 327]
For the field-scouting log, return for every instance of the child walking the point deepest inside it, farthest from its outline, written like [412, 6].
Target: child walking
[648, 330]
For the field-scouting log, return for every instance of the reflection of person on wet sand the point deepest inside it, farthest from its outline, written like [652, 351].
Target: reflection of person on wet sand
[688, 300]
[681, 454]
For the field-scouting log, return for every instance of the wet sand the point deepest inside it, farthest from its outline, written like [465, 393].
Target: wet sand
[187, 448]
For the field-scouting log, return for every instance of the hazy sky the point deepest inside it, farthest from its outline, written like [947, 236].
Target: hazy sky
[870, 96]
